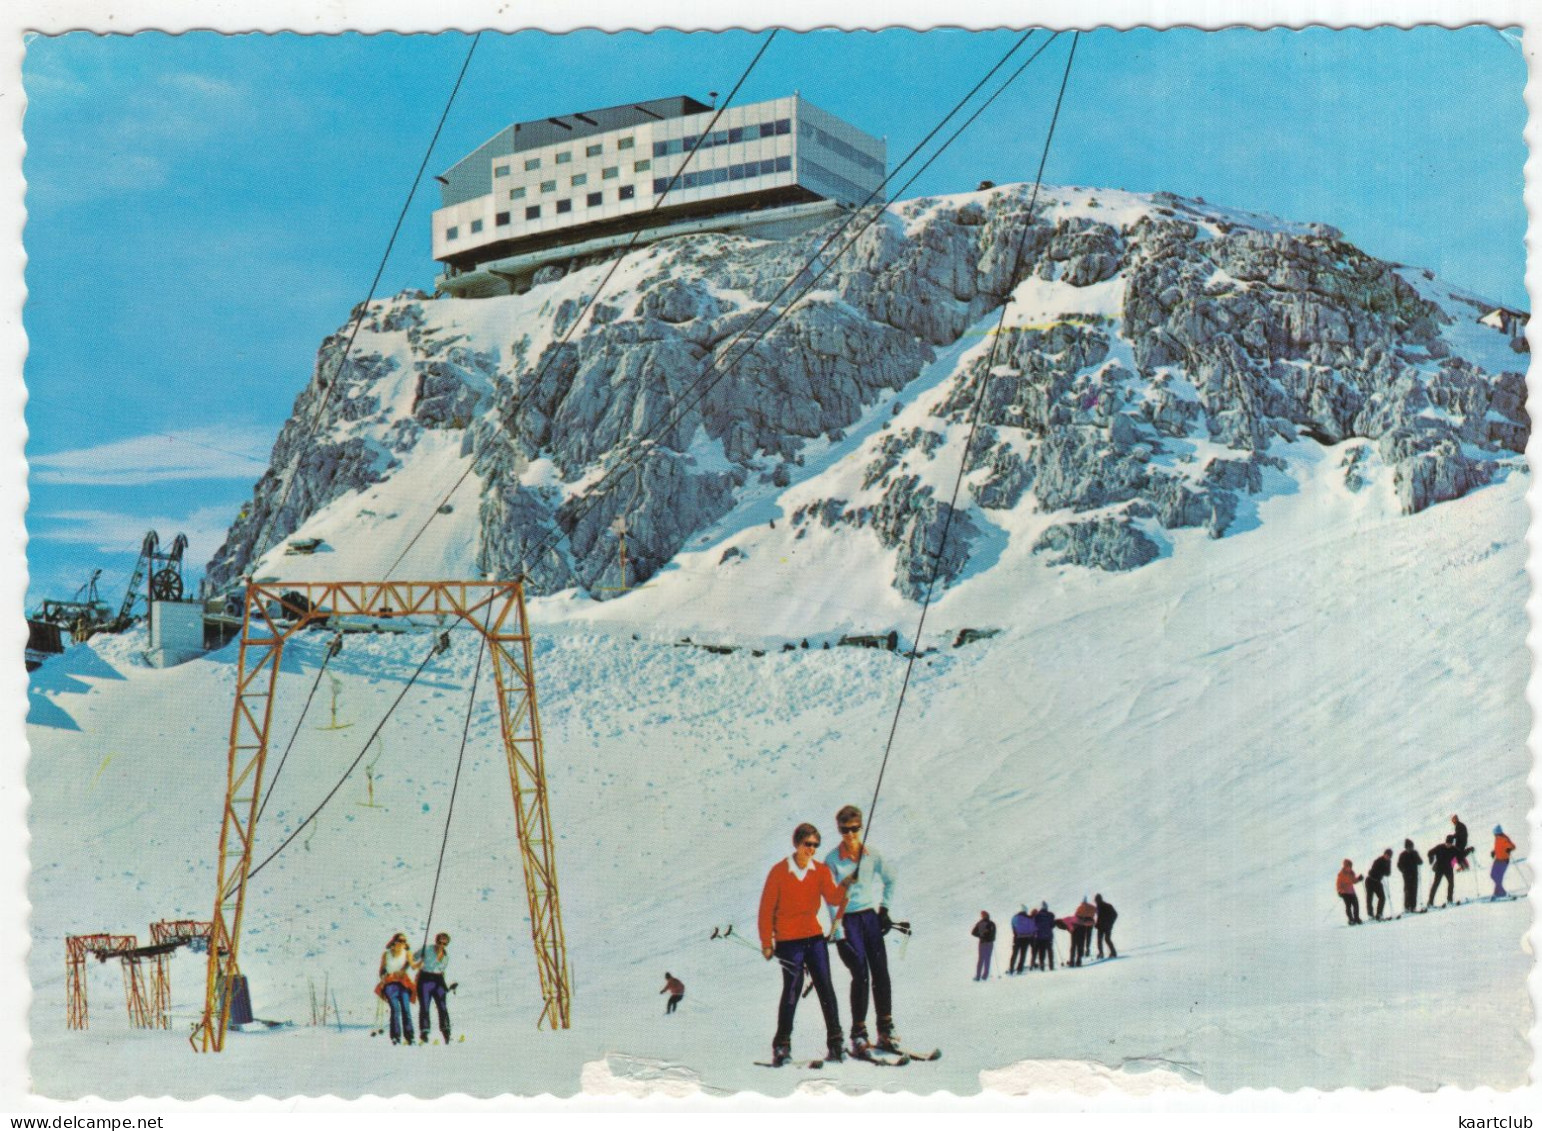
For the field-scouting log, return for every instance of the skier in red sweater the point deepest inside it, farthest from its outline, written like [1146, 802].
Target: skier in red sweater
[790, 932]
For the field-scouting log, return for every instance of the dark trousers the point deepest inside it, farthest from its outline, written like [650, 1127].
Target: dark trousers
[1081, 943]
[1351, 906]
[982, 966]
[431, 988]
[1375, 899]
[674, 1000]
[1410, 891]
[863, 952]
[399, 1001]
[1443, 874]
[1497, 874]
[1106, 938]
[1044, 947]
[795, 956]
[1019, 954]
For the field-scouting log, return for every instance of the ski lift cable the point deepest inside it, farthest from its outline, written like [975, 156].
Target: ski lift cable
[974, 422]
[476, 677]
[714, 373]
[440, 644]
[553, 351]
[259, 547]
[334, 646]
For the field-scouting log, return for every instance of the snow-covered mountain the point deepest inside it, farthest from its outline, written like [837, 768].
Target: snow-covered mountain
[1223, 638]
[1157, 356]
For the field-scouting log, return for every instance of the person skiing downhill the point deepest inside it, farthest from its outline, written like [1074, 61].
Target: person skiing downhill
[790, 932]
[860, 929]
[1441, 858]
[397, 987]
[432, 962]
[1409, 862]
[1504, 847]
[985, 931]
[1346, 888]
[675, 988]
[1105, 925]
[1023, 934]
[1375, 892]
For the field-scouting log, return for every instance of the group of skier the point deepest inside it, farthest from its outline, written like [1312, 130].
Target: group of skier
[1446, 859]
[1033, 936]
[857, 886]
[406, 977]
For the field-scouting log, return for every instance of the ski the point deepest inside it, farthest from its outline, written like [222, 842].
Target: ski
[882, 1059]
[792, 1063]
[935, 1054]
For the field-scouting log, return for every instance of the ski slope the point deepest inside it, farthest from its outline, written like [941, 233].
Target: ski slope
[1202, 740]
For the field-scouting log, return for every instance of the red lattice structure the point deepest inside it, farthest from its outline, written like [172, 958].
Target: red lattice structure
[102, 947]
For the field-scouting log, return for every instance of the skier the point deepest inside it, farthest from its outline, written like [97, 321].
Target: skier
[1044, 941]
[1346, 885]
[790, 932]
[1462, 851]
[397, 987]
[1106, 917]
[860, 929]
[1375, 893]
[431, 986]
[1441, 858]
[1081, 935]
[1409, 862]
[985, 931]
[1503, 848]
[675, 988]
[1023, 932]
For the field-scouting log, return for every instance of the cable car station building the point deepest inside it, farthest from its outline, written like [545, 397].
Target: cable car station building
[552, 190]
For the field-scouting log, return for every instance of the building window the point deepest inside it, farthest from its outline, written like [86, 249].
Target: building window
[735, 135]
[642, 166]
[626, 192]
[580, 179]
[595, 199]
[564, 158]
[476, 226]
[624, 143]
[564, 206]
[532, 163]
[548, 186]
[611, 173]
[660, 184]
[516, 194]
[502, 220]
[594, 150]
[533, 212]
[500, 170]
[452, 233]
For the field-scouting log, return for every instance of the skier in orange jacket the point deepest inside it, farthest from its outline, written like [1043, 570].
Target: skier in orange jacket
[1503, 848]
[1346, 887]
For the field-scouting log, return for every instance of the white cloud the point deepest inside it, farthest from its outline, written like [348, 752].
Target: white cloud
[113, 531]
[226, 453]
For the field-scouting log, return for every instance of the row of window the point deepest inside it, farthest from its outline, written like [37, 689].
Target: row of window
[727, 173]
[830, 141]
[533, 212]
[565, 156]
[811, 173]
[723, 137]
[579, 180]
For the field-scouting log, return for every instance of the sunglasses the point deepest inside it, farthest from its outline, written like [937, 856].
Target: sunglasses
[851, 828]
[809, 843]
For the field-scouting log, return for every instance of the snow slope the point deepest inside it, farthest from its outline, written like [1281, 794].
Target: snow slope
[1201, 740]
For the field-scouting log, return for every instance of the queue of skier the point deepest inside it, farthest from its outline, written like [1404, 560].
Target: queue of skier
[1033, 936]
[1445, 860]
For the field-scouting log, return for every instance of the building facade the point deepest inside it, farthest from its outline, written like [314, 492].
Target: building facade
[545, 191]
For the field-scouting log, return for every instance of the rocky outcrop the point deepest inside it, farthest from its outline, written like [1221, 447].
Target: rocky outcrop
[668, 398]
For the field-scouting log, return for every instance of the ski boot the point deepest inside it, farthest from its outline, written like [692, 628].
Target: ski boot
[835, 1051]
[860, 1046]
[888, 1039]
[780, 1055]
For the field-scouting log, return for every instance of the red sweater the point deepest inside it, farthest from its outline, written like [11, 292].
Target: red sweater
[789, 906]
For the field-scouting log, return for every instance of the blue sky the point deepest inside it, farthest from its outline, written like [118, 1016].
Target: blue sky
[204, 209]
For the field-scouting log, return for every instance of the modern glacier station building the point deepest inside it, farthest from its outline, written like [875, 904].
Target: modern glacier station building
[556, 189]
